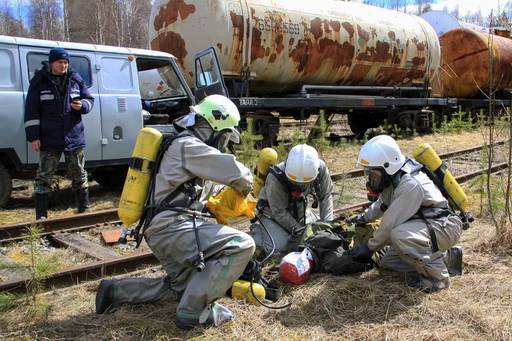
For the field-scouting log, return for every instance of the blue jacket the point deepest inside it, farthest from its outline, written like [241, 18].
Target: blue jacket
[50, 118]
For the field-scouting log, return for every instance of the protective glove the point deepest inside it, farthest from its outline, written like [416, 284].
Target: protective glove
[356, 219]
[362, 254]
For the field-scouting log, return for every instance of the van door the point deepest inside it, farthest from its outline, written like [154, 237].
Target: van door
[81, 62]
[12, 129]
[121, 107]
[209, 80]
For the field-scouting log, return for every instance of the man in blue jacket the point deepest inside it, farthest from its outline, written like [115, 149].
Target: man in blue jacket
[56, 100]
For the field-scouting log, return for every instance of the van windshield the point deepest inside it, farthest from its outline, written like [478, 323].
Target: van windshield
[157, 79]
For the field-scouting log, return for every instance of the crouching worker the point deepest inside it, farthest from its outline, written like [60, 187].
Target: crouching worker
[283, 205]
[416, 219]
[195, 155]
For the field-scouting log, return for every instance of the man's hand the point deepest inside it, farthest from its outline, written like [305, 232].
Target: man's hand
[36, 145]
[362, 254]
[76, 105]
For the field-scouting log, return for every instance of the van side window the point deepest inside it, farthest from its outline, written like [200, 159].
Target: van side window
[80, 65]
[6, 69]
[116, 73]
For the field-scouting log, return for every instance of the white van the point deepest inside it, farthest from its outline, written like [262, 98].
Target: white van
[132, 88]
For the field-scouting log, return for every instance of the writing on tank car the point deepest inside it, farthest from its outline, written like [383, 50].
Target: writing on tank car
[288, 43]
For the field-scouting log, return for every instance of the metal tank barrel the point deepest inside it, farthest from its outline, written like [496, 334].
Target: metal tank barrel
[466, 56]
[288, 43]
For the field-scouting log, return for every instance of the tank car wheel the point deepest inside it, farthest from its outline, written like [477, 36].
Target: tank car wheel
[110, 177]
[267, 125]
[357, 124]
[5, 185]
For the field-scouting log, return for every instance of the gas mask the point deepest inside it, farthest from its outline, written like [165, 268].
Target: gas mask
[378, 179]
[297, 189]
[300, 186]
[225, 139]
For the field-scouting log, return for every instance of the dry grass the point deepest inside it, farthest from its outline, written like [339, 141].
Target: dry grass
[343, 158]
[372, 306]
[62, 203]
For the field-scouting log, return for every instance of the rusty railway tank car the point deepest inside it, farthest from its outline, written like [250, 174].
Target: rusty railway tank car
[277, 47]
[467, 58]
[288, 43]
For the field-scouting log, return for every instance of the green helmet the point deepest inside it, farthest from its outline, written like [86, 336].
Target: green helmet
[219, 112]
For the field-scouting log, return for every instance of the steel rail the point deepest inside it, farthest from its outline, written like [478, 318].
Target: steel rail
[307, 124]
[78, 221]
[98, 269]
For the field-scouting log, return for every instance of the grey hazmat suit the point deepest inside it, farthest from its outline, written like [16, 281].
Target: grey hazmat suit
[405, 231]
[170, 235]
[284, 216]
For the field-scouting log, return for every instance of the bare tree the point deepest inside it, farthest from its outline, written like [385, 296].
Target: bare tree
[110, 22]
[10, 23]
[65, 17]
[46, 19]
[423, 5]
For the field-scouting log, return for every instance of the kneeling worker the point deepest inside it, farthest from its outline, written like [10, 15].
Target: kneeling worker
[195, 155]
[283, 201]
[416, 219]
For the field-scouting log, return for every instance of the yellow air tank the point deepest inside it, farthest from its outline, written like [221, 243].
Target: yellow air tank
[267, 158]
[136, 185]
[242, 290]
[426, 155]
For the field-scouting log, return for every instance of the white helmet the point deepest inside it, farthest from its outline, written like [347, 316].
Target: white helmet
[302, 164]
[381, 151]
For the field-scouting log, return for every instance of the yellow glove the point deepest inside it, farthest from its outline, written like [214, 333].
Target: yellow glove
[229, 204]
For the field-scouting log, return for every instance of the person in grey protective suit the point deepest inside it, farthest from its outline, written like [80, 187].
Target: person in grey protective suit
[283, 207]
[416, 219]
[195, 155]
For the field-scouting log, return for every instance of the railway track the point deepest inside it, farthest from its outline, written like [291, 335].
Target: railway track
[109, 263]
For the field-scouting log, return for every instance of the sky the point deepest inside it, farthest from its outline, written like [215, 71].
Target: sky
[465, 6]
[472, 6]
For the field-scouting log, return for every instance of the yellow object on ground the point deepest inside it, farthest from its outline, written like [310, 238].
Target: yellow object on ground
[427, 156]
[136, 185]
[229, 204]
[242, 290]
[267, 158]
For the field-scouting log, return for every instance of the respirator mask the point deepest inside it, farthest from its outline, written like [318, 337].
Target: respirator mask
[225, 139]
[378, 179]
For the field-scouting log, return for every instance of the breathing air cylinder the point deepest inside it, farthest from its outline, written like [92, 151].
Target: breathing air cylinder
[241, 289]
[136, 185]
[427, 156]
[267, 158]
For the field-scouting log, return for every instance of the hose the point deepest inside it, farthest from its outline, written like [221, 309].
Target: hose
[267, 257]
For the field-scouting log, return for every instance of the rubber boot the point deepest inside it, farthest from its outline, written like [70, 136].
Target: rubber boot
[104, 297]
[82, 198]
[41, 205]
[453, 261]
[426, 284]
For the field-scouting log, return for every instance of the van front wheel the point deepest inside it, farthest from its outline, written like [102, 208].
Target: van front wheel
[5, 185]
